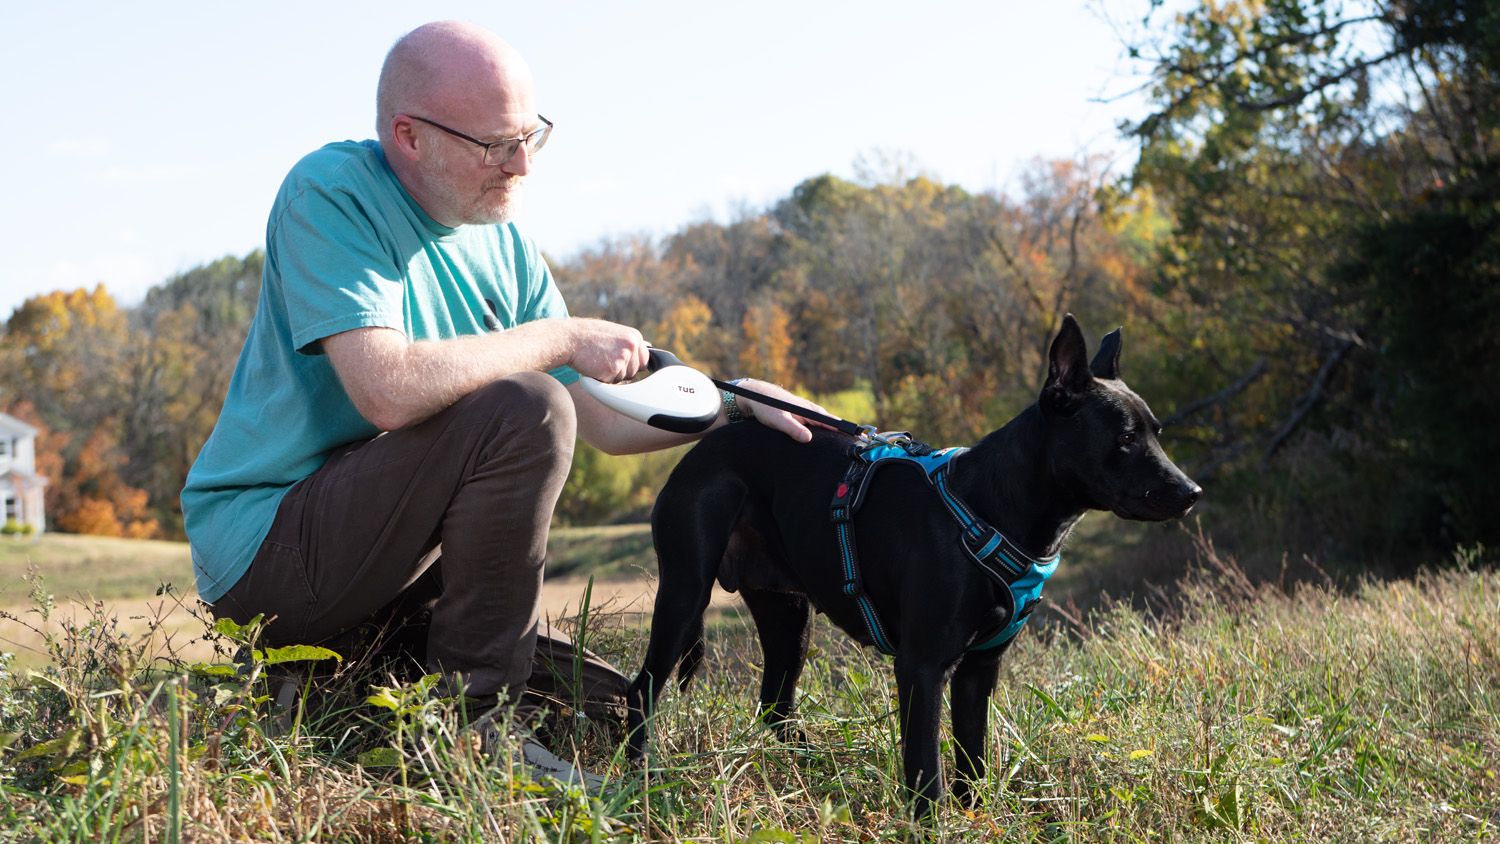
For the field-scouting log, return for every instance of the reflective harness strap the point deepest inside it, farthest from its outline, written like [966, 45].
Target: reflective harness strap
[843, 512]
[996, 555]
[1000, 558]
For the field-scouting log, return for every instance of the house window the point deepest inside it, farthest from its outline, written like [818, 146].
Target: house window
[10, 508]
[6, 447]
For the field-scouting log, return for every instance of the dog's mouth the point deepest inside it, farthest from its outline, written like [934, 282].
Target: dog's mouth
[1160, 505]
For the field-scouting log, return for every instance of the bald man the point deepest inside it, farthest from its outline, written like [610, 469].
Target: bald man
[403, 413]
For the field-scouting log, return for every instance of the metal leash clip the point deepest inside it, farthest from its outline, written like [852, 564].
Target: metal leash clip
[894, 439]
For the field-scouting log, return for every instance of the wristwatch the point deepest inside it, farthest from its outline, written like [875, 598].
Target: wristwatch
[732, 405]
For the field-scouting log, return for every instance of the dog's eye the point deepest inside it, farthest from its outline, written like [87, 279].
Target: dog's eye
[1127, 438]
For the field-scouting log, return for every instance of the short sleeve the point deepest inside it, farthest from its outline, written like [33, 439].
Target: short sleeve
[336, 273]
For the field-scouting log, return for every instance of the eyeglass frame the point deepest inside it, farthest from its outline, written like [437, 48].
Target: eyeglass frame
[544, 131]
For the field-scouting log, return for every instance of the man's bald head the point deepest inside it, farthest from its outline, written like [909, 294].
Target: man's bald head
[446, 68]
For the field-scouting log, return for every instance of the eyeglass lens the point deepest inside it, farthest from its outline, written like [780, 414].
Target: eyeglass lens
[500, 152]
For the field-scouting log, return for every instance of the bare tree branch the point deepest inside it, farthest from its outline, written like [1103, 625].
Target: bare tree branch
[1305, 404]
[1239, 386]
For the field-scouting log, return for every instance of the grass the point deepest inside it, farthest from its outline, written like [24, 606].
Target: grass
[94, 567]
[80, 567]
[609, 551]
[1232, 712]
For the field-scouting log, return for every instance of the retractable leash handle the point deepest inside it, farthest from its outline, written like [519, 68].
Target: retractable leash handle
[674, 397]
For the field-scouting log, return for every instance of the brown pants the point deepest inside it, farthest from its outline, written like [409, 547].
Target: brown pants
[463, 499]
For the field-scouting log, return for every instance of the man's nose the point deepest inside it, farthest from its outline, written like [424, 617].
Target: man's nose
[518, 164]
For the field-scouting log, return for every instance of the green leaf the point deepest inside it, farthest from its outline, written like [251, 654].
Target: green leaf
[61, 747]
[214, 670]
[299, 653]
[380, 757]
[227, 627]
[1051, 704]
[1229, 806]
[383, 697]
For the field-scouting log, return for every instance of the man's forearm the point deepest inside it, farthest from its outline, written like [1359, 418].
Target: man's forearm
[395, 383]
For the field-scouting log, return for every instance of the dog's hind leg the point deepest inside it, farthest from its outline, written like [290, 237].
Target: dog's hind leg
[691, 527]
[783, 621]
[692, 659]
[973, 683]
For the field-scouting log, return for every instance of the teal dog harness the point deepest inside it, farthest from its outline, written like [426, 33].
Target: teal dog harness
[1020, 575]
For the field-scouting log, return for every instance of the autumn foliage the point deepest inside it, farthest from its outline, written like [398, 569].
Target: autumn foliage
[123, 399]
[1304, 255]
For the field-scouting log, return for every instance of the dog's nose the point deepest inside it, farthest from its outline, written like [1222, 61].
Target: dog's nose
[1190, 492]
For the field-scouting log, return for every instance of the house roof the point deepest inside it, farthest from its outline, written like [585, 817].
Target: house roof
[15, 427]
[26, 478]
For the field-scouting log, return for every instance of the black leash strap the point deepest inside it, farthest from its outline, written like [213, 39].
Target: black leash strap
[842, 425]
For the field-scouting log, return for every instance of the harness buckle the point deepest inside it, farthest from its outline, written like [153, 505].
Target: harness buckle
[982, 543]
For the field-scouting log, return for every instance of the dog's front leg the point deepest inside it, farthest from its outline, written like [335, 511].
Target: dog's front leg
[973, 683]
[919, 683]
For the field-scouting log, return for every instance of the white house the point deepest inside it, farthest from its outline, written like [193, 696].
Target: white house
[20, 486]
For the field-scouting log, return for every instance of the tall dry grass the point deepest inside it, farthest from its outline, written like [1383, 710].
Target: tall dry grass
[1231, 711]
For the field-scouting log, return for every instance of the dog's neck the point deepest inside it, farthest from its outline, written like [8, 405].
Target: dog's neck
[1005, 480]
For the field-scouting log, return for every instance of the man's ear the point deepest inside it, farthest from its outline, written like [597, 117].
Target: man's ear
[404, 136]
[1068, 373]
[1107, 362]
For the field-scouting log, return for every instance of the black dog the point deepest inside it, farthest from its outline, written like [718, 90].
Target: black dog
[752, 507]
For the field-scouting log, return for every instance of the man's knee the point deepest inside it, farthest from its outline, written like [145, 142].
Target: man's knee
[535, 411]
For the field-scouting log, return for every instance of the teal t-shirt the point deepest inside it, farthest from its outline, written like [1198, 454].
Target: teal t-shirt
[346, 247]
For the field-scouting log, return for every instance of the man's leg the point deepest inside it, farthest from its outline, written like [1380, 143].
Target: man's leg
[480, 478]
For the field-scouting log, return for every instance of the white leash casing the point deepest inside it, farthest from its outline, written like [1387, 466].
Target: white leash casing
[674, 397]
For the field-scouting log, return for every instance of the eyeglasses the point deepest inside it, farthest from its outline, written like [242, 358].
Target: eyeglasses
[499, 152]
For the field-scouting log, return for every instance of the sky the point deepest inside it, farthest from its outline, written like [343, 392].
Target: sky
[147, 138]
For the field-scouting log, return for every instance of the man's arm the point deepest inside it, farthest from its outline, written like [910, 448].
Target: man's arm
[395, 383]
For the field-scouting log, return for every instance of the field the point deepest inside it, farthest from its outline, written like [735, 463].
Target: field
[1234, 712]
[124, 577]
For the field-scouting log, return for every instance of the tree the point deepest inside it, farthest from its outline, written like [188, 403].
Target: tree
[130, 395]
[766, 344]
[185, 342]
[1312, 155]
[61, 352]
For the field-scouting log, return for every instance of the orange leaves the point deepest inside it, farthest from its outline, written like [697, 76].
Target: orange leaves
[92, 498]
[766, 348]
[683, 328]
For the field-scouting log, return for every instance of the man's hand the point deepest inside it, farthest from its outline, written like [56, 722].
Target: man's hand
[606, 351]
[790, 424]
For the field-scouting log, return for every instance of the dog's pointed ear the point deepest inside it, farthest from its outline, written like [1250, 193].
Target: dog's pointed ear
[1107, 361]
[1068, 373]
